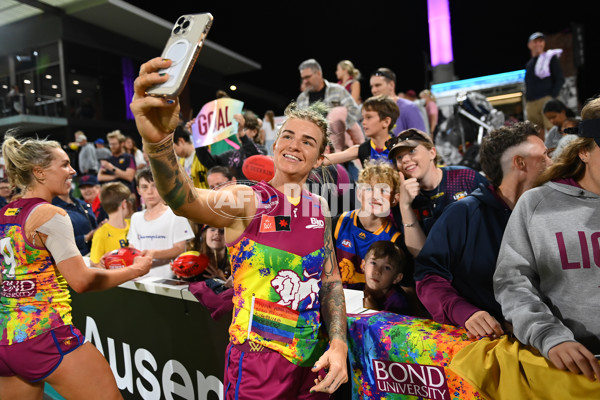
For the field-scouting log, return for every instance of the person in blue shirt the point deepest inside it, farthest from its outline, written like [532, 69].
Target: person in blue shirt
[83, 220]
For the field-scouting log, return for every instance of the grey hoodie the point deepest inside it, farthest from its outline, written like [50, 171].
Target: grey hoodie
[547, 278]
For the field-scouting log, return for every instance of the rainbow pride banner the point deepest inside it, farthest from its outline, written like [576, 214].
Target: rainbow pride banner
[400, 357]
[273, 321]
[215, 121]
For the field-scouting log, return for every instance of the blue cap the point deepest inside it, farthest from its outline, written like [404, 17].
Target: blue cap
[100, 141]
[90, 180]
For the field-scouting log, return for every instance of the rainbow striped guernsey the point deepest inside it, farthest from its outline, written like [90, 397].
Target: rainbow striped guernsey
[276, 265]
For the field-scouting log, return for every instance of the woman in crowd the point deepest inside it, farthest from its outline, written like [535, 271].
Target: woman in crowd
[211, 242]
[432, 110]
[137, 154]
[348, 77]
[547, 275]
[557, 113]
[273, 243]
[39, 258]
[427, 188]
[569, 133]
[270, 130]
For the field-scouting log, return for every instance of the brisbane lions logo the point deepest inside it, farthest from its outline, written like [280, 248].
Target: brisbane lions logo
[293, 289]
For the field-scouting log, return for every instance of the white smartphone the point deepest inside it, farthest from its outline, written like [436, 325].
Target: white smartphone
[183, 47]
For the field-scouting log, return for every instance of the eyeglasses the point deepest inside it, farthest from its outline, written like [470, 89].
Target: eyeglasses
[384, 74]
[409, 134]
[306, 77]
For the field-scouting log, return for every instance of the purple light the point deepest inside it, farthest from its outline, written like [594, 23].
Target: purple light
[440, 37]
[128, 78]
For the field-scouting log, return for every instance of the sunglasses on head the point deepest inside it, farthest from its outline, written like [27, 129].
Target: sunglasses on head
[406, 135]
[384, 74]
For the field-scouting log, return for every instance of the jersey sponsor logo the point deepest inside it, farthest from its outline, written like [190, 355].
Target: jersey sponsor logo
[274, 223]
[459, 195]
[19, 289]
[12, 212]
[346, 243]
[315, 223]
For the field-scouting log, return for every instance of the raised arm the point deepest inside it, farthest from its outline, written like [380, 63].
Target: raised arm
[333, 311]
[351, 153]
[57, 235]
[156, 118]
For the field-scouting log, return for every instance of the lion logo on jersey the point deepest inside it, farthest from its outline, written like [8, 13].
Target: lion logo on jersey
[293, 289]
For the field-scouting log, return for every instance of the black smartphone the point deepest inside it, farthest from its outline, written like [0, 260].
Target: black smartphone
[183, 47]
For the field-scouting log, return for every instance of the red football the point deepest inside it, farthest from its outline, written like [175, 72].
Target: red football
[120, 258]
[259, 168]
[189, 264]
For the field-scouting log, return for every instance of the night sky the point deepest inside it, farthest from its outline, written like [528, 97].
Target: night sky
[489, 37]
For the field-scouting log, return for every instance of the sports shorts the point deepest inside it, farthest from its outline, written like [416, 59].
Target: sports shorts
[35, 359]
[254, 372]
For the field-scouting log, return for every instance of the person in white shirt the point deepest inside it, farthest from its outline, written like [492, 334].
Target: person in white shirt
[157, 231]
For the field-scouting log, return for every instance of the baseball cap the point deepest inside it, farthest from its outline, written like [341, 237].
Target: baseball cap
[408, 138]
[86, 180]
[590, 128]
[536, 35]
[99, 141]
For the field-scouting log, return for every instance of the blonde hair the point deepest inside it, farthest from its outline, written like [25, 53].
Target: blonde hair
[315, 113]
[116, 135]
[380, 172]
[22, 156]
[347, 65]
[427, 93]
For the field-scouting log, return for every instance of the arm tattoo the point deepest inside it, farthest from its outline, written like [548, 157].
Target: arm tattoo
[172, 182]
[330, 260]
[333, 308]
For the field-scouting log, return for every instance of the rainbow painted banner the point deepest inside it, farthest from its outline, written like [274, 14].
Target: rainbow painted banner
[215, 121]
[400, 357]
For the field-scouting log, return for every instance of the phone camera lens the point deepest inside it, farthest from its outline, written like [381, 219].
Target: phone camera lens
[176, 30]
[186, 24]
[180, 20]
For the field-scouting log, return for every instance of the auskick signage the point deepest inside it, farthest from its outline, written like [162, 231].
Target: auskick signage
[426, 381]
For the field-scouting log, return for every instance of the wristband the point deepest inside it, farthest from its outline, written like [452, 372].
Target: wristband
[158, 149]
[409, 225]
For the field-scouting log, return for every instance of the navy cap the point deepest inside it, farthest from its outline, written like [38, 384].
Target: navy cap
[101, 141]
[590, 128]
[90, 180]
[536, 35]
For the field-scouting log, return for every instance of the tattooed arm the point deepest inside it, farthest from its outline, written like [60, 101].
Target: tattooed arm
[333, 313]
[156, 118]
